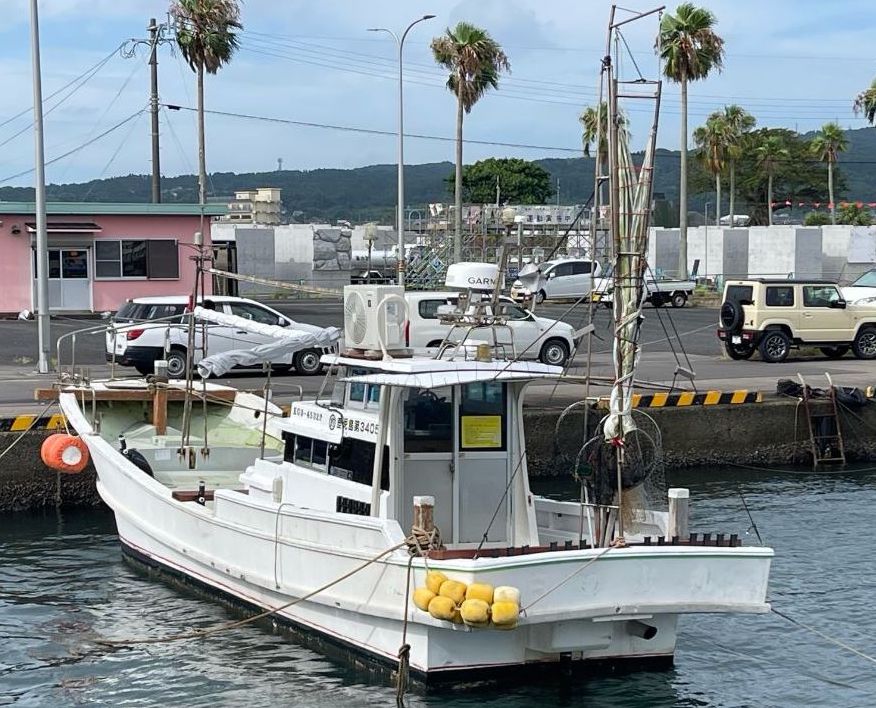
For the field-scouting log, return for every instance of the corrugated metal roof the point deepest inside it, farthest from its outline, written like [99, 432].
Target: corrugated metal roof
[120, 208]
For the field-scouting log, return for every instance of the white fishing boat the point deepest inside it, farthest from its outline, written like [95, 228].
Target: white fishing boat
[314, 512]
[394, 515]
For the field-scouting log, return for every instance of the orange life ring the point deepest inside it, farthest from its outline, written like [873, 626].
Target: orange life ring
[65, 453]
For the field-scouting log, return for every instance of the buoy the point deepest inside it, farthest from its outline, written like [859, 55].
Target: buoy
[480, 591]
[453, 589]
[442, 608]
[422, 597]
[65, 453]
[506, 593]
[475, 613]
[505, 614]
[434, 578]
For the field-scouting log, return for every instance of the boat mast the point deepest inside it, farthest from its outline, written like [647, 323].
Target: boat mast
[630, 207]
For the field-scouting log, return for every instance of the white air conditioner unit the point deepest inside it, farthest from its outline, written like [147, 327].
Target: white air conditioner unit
[374, 315]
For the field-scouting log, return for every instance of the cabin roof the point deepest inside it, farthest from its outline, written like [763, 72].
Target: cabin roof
[424, 372]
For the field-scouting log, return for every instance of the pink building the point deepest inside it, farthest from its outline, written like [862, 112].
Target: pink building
[100, 254]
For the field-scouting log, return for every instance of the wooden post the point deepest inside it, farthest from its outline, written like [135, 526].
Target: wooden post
[679, 507]
[424, 513]
[159, 410]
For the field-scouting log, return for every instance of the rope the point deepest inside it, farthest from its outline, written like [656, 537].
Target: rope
[826, 637]
[568, 578]
[404, 651]
[225, 626]
[30, 427]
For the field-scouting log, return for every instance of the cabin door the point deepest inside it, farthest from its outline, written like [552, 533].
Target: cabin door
[482, 467]
[427, 467]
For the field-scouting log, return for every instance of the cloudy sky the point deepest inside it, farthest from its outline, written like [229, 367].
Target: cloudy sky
[792, 63]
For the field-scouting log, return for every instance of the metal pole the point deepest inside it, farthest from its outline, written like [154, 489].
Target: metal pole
[153, 109]
[706, 238]
[400, 214]
[42, 251]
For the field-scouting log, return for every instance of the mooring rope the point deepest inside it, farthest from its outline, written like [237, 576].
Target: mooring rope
[30, 427]
[826, 637]
[568, 578]
[202, 633]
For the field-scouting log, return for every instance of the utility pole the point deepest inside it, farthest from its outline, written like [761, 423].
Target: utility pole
[279, 164]
[558, 191]
[42, 250]
[497, 190]
[153, 109]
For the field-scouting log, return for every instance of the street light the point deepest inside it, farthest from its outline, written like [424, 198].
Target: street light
[400, 217]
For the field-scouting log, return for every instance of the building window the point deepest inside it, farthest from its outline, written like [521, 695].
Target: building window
[136, 258]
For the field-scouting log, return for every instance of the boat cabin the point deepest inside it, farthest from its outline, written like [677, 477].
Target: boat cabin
[401, 428]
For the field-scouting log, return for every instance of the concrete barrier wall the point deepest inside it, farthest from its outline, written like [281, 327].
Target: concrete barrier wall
[769, 434]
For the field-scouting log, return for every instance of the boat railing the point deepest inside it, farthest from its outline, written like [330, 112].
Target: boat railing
[117, 329]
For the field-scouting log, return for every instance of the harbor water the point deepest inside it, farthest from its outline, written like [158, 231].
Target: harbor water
[63, 583]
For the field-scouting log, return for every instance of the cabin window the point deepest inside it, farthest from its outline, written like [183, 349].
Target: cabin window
[428, 420]
[482, 416]
[361, 392]
[353, 460]
[305, 451]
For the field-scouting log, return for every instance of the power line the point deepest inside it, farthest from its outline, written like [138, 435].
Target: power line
[96, 67]
[371, 131]
[77, 148]
[441, 138]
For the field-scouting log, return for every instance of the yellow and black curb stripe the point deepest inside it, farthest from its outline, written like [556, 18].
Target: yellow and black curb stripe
[689, 398]
[20, 423]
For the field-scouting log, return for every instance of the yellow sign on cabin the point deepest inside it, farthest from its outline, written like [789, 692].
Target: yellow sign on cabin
[481, 431]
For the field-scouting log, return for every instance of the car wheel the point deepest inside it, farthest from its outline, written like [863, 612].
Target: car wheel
[678, 299]
[554, 352]
[738, 352]
[540, 297]
[307, 362]
[864, 346]
[775, 346]
[176, 364]
[835, 352]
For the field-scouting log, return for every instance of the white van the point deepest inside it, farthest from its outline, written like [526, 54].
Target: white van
[540, 338]
[565, 278]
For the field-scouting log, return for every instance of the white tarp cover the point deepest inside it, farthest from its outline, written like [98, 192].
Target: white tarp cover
[284, 341]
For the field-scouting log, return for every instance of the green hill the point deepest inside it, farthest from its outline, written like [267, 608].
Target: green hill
[366, 193]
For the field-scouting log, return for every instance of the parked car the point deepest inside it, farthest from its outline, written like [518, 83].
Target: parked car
[376, 277]
[660, 291]
[566, 278]
[864, 288]
[773, 316]
[144, 327]
[549, 341]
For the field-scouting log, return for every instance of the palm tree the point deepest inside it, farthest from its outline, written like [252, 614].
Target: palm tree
[206, 37]
[712, 140]
[594, 126]
[739, 121]
[690, 50]
[828, 144]
[865, 102]
[769, 154]
[475, 61]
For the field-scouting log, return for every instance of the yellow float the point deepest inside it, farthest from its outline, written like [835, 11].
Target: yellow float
[480, 591]
[442, 608]
[453, 589]
[434, 579]
[422, 598]
[475, 613]
[505, 614]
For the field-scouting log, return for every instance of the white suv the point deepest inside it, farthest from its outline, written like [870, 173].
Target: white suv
[135, 338]
[549, 341]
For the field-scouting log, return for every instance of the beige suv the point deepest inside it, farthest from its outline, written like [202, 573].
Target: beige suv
[772, 316]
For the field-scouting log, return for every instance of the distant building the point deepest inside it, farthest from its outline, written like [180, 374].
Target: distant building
[100, 253]
[255, 206]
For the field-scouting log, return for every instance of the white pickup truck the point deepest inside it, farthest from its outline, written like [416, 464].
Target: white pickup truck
[660, 291]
